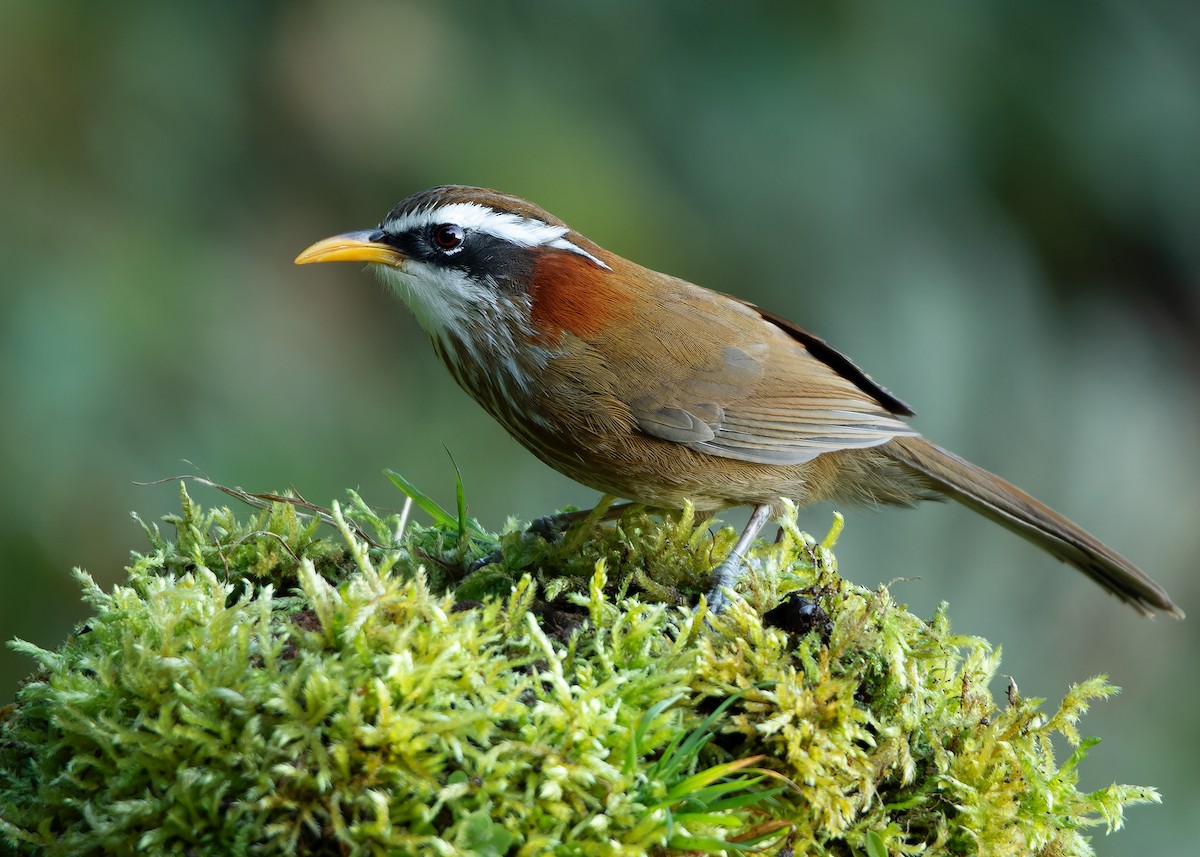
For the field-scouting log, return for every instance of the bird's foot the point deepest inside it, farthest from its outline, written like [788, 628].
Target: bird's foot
[724, 576]
[485, 560]
[552, 528]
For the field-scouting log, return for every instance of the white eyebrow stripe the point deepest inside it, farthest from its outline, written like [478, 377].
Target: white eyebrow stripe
[525, 232]
[564, 244]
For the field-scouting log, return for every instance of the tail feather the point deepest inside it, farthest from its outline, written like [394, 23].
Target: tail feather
[1011, 507]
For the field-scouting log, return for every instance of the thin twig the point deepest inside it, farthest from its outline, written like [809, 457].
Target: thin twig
[265, 499]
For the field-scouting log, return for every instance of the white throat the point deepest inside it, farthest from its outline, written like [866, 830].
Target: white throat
[442, 299]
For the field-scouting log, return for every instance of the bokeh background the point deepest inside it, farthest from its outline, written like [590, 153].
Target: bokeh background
[993, 207]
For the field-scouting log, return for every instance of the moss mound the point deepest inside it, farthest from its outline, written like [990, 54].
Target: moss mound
[258, 688]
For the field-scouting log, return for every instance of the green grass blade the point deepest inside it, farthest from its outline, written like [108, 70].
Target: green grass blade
[424, 502]
[460, 495]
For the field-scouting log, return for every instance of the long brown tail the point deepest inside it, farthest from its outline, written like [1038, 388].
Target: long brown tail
[1008, 505]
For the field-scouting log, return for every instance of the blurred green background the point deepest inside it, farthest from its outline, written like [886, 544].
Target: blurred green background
[993, 207]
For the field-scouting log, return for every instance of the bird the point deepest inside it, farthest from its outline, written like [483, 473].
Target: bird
[650, 388]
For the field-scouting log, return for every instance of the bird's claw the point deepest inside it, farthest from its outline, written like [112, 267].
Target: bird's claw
[549, 528]
[487, 559]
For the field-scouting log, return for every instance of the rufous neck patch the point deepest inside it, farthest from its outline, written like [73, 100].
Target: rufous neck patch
[570, 293]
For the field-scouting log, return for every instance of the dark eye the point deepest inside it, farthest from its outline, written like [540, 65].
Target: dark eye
[448, 236]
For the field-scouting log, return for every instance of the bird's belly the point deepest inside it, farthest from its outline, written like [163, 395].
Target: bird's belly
[592, 438]
[662, 474]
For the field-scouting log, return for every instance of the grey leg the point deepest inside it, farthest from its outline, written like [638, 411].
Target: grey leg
[730, 569]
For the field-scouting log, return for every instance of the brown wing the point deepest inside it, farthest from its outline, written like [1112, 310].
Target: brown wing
[837, 361]
[753, 387]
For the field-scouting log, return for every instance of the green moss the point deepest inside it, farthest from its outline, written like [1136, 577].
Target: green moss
[256, 687]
